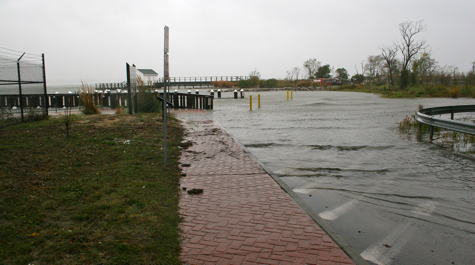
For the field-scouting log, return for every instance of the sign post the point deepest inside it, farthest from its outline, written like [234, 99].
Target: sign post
[166, 76]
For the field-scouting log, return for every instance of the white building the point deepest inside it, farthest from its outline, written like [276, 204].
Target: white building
[148, 76]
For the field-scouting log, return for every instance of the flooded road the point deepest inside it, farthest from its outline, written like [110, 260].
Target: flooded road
[393, 200]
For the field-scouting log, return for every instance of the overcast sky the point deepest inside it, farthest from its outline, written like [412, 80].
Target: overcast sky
[92, 40]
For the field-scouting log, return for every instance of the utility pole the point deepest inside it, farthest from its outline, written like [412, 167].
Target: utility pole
[166, 75]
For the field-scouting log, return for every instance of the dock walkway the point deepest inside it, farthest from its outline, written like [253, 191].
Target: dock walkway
[242, 216]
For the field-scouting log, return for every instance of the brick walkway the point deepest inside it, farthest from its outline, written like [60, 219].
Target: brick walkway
[243, 216]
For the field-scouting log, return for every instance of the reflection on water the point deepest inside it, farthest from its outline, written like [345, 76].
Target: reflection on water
[347, 143]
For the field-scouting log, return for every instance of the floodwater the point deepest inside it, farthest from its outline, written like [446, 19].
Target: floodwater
[393, 200]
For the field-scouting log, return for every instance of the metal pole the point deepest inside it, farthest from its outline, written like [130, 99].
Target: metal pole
[165, 77]
[44, 83]
[19, 85]
[129, 96]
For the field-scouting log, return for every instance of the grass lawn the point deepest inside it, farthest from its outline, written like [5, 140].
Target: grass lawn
[101, 196]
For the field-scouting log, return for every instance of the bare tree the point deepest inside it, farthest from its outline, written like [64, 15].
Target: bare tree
[296, 73]
[363, 69]
[311, 66]
[374, 67]
[288, 75]
[408, 46]
[389, 55]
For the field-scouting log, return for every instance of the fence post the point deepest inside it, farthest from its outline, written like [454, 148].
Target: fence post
[129, 96]
[175, 100]
[44, 84]
[113, 101]
[19, 85]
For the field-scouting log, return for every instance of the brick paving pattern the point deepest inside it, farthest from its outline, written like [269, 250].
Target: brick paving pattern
[243, 216]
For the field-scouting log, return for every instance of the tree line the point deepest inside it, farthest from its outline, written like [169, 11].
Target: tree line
[405, 64]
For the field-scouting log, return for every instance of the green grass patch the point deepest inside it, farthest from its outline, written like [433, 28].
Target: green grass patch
[100, 196]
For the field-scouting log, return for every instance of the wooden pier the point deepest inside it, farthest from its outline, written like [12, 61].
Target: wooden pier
[104, 100]
[204, 81]
[189, 101]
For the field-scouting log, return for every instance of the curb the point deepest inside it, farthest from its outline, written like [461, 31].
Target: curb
[355, 256]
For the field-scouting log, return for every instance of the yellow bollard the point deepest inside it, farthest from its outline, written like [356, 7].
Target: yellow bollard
[258, 100]
[291, 94]
[250, 102]
[287, 95]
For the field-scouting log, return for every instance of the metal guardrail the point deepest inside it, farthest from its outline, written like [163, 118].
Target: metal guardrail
[425, 116]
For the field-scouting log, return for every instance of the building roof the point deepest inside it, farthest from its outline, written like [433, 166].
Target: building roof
[147, 71]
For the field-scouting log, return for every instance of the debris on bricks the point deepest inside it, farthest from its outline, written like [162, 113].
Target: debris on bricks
[186, 145]
[386, 245]
[195, 191]
[185, 165]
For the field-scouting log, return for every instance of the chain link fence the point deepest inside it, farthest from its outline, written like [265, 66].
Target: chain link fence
[22, 86]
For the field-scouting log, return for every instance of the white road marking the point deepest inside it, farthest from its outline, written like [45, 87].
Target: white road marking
[303, 191]
[380, 253]
[333, 214]
[387, 248]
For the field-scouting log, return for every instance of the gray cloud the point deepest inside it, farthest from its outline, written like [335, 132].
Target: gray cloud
[92, 40]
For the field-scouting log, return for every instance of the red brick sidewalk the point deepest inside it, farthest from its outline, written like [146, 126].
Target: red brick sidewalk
[243, 216]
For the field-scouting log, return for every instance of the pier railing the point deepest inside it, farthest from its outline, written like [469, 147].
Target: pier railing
[11, 103]
[189, 101]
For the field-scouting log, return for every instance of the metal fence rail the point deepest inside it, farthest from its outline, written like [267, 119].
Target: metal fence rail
[424, 116]
[23, 75]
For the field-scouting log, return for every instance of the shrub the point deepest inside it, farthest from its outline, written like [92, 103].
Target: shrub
[243, 84]
[224, 84]
[466, 91]
[147, 98]
[87, 99]
[271, 83]
[454, 92]
[285, 83]
[304, 84]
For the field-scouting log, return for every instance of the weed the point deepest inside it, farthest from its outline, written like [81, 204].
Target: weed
[87, 99]
[455, 141]
[147, 98]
